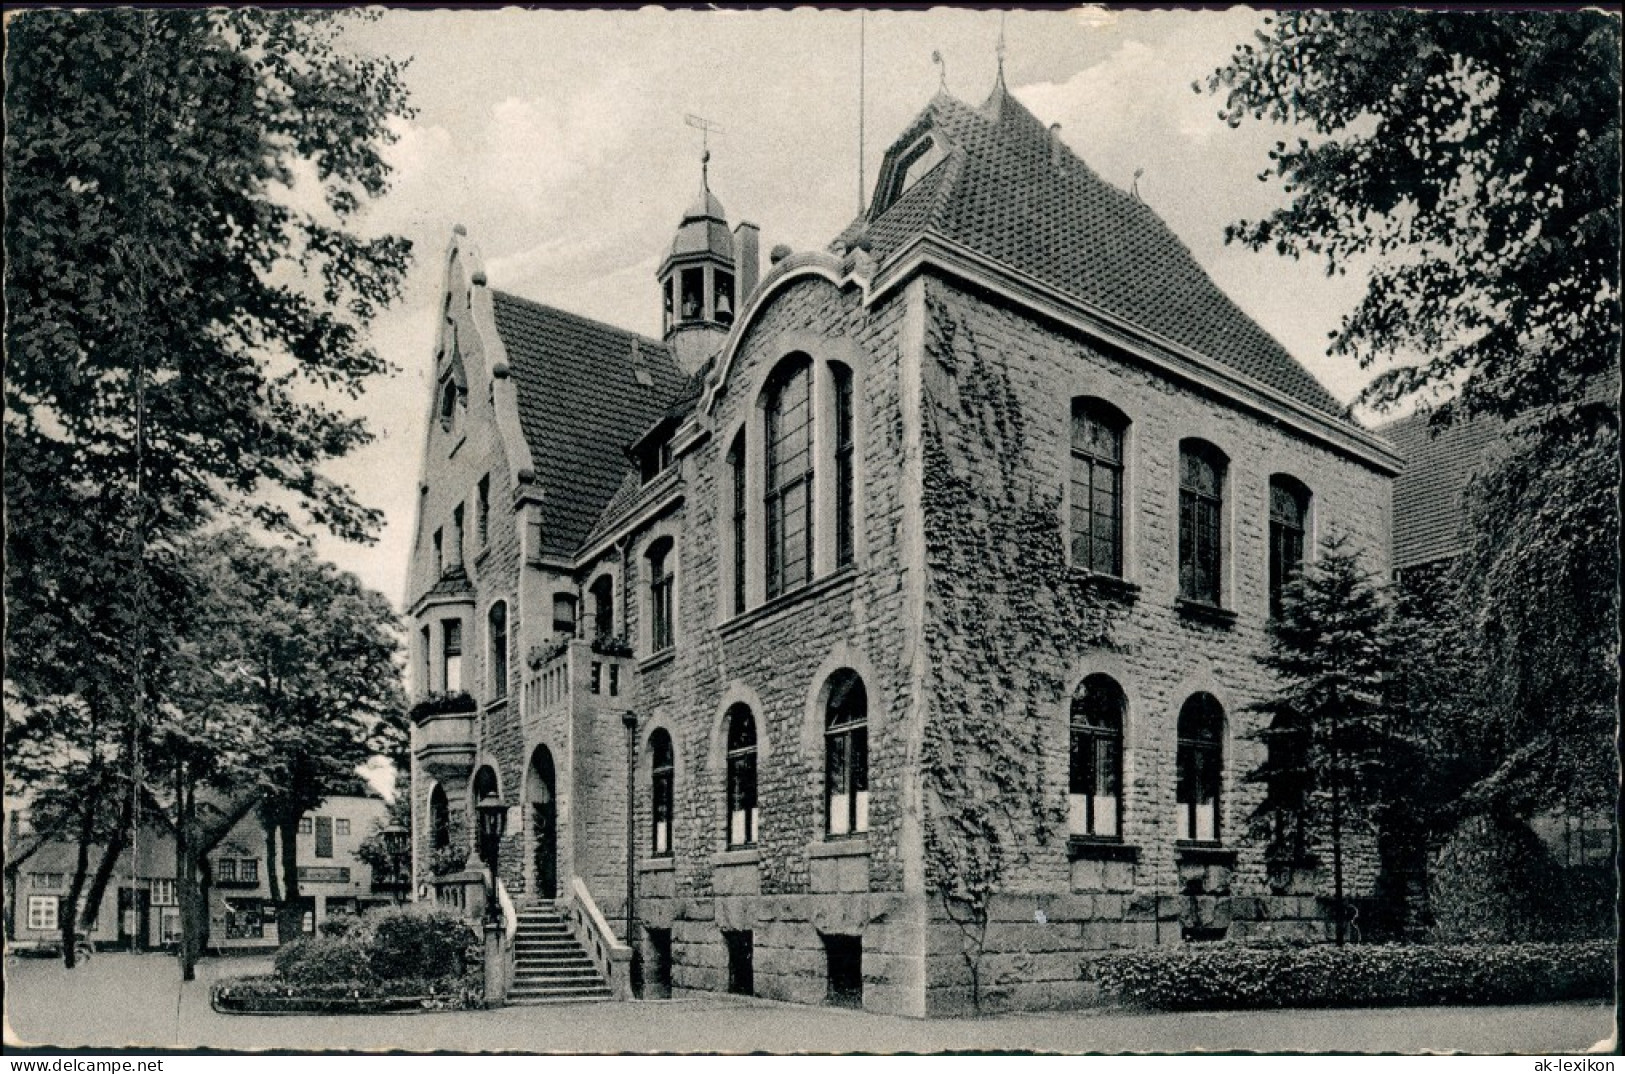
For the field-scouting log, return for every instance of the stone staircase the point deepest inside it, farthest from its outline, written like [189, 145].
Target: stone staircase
[549, 965]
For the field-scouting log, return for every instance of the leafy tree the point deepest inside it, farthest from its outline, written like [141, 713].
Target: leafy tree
[1474, 157]
[1331, 738]
[321, 678]
[1472, 161]
[177, 327]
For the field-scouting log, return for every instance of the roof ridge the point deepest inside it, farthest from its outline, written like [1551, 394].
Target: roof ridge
[579, 317]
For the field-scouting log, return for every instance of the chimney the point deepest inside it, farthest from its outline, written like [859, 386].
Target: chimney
[748, 262]
[1055, 148]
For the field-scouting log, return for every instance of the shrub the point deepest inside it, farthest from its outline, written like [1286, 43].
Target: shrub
[340, 926]
[1362, 975]
[322, 960]
[418, 943]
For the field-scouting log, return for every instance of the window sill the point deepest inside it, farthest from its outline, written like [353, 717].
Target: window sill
[738, 856]
[658, 660]
[664, 863]
[1204, 854]
[1087, 848]
[496, 705]
[1106, 585]
[818, 587]
[840, 846]
[1205, 613]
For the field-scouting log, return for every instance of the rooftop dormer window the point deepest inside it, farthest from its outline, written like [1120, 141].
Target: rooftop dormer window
[908, 168]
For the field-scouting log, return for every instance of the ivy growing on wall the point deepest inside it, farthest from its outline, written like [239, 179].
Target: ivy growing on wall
[1005, 615]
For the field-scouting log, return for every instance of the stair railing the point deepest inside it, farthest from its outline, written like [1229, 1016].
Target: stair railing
[612, 957]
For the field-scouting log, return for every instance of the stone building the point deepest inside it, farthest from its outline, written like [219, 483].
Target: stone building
[914, 587]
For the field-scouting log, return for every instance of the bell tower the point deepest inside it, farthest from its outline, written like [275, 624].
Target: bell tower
[698, 279]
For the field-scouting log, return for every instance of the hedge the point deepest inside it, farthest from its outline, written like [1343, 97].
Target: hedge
[398, 959]
[1220, 976]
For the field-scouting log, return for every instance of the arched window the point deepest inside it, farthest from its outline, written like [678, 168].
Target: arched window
[736, 467]
[497, 634]
[789, 471]
[1201, 514]
[660, 590]
[603, 606]
[1289, 516]
[846, 756]
[844, 492]
[439, 819]
[1097, 486]
[741, 777]
[663, 771]
[1200, 763]
[450, 404]
[1094, 802]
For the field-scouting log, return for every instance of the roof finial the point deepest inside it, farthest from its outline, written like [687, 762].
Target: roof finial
[1135, 188]
[942, 70]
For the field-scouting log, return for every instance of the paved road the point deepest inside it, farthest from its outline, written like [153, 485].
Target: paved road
[122, 1000]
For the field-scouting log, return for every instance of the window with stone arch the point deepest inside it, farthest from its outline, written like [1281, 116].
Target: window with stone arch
[1098, 431]
[846, 755]
[1201, 521]
[739, 518]
[662, 790]
[788, 468]
[1199, 760]
[496, 632]
[661, 624]
[1095, 782]
[845, 492]
[741, 762]
[1289, 522]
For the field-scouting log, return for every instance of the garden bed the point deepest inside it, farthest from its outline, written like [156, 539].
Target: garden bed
[1232, 976]
[389, 963]
[272, 995]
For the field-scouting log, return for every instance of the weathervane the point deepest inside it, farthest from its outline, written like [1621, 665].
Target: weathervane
[1000, 48]
[942, 69]
[706, 128]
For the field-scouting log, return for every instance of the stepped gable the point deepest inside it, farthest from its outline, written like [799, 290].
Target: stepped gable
[580, 403]
[1006, 191]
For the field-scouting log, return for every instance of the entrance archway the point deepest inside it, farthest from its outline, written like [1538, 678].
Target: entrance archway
[542, 803]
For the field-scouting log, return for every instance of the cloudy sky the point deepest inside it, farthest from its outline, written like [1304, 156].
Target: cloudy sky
[558, 139]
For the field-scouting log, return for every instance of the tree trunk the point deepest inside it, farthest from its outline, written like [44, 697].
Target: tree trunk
[1337, 835]
[289, 914]
[68, 918]
[108, 865]
[185, 873]
[272, 876]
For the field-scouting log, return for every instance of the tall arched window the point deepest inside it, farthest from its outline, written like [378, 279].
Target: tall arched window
[602, 592]
[660, 590]
[789, 472]
[1289, 516]
[846, 755]
[497, 634]
[1201, 514]
[1200, 763]
[1287, 780]
[1097, 486]
[741, 777]
[663, 772]
[1094, 802]
[736, 467]
[844, 491]
[439, 819]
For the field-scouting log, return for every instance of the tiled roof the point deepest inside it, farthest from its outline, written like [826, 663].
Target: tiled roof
[580, 404]
[1428, 512]
[1006, 193]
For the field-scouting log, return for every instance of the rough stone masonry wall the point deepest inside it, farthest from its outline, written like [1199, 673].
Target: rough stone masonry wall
[455, 461]
[794, 885]
[1012, 630]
